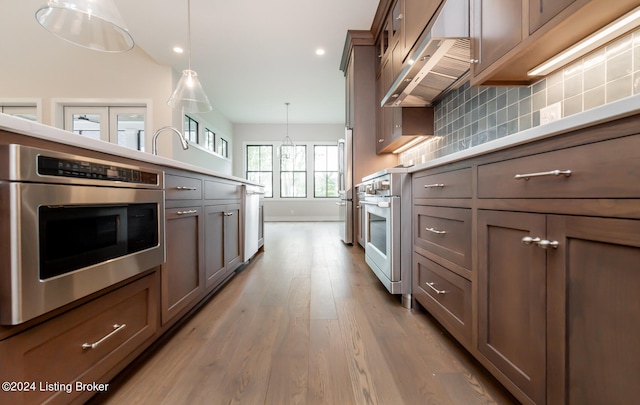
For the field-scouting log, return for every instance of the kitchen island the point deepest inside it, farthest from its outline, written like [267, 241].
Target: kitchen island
[84, 342]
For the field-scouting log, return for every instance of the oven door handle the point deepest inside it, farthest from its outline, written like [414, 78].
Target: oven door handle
[380, 204]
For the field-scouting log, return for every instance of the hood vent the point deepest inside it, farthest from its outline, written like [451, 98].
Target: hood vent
[439, 61]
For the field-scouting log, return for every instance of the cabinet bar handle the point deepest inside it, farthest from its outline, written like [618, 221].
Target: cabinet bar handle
[228, 214]
[186, 212]
[116, 328]
[547, 243]
[433, 230]
[430, 285]
[527, 240]
[184, 188]
[439, 185]
[527, 176]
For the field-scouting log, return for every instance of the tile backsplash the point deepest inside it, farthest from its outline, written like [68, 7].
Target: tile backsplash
[469, 116]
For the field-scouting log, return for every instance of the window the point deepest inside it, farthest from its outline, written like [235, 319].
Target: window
[190, 129]
[209, 139]
[325, 177]
[27, 112]
[120, 125]
[293, 171]
[223, 147]
[260, 166]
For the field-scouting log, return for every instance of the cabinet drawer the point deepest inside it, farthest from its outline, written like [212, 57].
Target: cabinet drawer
[182, 188]
[454, 184]
[445, 232]
[218, 190]
[116, 324]
[605, 169]
[446, 295]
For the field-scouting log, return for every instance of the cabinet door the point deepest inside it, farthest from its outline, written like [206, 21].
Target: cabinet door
[232, 235]
[594, 278]
[511, 298]
[496, 28]
[214, 261]
[182, 281]
[541, 11]
[417, 14]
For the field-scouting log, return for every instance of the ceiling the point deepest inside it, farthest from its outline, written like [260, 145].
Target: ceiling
[252, 56]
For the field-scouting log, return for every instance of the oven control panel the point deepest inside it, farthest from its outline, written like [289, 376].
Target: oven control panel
[54, 166]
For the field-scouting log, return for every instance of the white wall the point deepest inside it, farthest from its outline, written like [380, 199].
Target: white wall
[288, 209]
[37, 65]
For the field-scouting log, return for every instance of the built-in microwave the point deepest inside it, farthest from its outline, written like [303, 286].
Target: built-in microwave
[71, 226]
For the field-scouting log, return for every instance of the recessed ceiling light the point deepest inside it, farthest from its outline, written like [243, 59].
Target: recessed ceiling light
[319, 51]
[177, 49]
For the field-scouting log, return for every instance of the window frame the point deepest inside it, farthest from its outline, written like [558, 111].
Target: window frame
[294, 171]
[315, 171]
[271, 172]
[209, 146]
[187, 129]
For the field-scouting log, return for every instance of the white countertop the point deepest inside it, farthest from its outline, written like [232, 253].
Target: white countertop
[45, 132]
[608, 112]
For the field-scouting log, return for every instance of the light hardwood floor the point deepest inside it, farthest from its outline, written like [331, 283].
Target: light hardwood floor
[307, 322]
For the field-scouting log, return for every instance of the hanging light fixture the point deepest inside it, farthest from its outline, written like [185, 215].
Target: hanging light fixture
[286, 147]
[189, 94]
[93, 24]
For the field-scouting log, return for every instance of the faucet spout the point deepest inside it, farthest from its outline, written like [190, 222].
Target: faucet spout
[183, 140]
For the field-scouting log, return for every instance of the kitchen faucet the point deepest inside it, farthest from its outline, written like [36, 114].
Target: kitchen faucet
[183, 141]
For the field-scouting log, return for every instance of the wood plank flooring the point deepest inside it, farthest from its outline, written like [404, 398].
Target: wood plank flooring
[307, 322]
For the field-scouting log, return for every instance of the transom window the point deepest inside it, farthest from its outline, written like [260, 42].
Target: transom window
[191, 129]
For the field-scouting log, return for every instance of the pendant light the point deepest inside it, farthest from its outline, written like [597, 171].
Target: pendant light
[93, 24]
[286, 147]
[189, 94]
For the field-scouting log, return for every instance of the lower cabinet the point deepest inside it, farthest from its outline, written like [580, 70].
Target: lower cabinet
[222, 242]
[512, 287]
[85, 345]
[558, 309]
[182, 280]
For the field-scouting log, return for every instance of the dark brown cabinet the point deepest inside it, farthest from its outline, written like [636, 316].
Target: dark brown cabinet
[511, 37]
[544, 238]
[118, 324]
[542, 11]
[593, 319]
[182, 281]
[222, 242]
[512, 289]
[400, 125]
[496, 29]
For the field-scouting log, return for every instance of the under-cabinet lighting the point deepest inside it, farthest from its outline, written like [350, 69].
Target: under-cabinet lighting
[613, 30]
[410, 144]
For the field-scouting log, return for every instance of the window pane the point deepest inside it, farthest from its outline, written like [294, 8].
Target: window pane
[131, 130]
[326, 171]
[87, 125]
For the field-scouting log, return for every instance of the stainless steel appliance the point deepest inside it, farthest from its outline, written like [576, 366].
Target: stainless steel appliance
[253, 220]
[72, 226]
[387, 230]
[345, 186]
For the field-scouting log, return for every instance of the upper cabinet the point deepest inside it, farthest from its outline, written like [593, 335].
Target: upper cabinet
[511, 37]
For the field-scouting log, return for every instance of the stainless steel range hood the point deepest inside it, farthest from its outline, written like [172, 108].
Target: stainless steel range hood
[438, 62]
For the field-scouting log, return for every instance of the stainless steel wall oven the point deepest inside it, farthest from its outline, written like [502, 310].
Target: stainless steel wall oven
[72, 226]
[387, 230]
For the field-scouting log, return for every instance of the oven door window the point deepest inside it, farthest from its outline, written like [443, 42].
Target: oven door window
[378, 232]
[72, 238]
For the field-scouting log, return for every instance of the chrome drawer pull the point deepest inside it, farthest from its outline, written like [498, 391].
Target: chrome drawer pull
[546, 243]
[567, 173]
[433, 230]
[116, 328]
[186, 212]
[527, 240]
[440, 185]
[430, 285]
[184, 188]
[227, 214]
